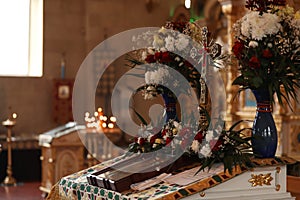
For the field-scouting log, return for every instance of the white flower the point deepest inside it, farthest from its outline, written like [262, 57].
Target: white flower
[157, 42]
[253, 44]
[209, 135]
[205, 150]
[147, 77]
[182, 42]
[170, 43]
[256, 26]
[219, 129]
[270, 45]
[195, 146]
[144, 55]
[176, 124]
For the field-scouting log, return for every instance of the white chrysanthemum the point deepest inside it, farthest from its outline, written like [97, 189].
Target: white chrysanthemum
[157, 77]
[270, 45]
[157, 42]
[144, 55]
[256, 26]
[195, 146]
[182, 42]
[253, 44]
[147, 77]
[209, 135]
[170, 43]
[205, 150]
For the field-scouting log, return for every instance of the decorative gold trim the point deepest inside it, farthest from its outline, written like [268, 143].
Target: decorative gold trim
[277, 187]
[278, 170]
[202, 194]
[261, 179]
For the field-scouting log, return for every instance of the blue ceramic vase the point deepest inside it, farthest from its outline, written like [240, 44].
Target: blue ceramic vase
[264, 132]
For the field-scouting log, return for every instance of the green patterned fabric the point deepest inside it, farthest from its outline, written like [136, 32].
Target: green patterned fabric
[75, 186]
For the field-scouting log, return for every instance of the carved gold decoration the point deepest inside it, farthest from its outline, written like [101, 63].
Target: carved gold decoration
[277, 187]
[278, 169]
[260, 179]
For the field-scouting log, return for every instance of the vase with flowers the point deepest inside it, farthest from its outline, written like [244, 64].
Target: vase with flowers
[169, 53]
[266, 46]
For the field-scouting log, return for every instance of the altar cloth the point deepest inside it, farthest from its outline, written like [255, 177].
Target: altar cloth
[76, 186]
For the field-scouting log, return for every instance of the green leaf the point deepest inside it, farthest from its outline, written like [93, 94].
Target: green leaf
[239, 81]
[140, 117]
[257, 81]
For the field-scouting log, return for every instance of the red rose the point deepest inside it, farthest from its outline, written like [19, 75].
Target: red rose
[199, 136]
[267, 53]
[153, 138]
[216, 145]
[150, 59]
[237, 49]
[158, 55]
[141, 141]
[164, 132]
[254, 62]
[168, 140]
[165, 57]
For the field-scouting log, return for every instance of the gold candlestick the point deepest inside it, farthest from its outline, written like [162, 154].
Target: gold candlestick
[9, 179]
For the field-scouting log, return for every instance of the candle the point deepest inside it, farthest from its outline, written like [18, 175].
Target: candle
[62, 69]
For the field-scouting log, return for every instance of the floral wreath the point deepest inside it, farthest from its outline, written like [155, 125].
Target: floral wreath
[209, 144]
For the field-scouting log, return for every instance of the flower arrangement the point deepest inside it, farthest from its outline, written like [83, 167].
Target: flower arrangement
[172, 47]
[211, 145]
[267, 48]
[167, 47]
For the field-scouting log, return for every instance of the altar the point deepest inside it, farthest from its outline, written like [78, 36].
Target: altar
[267, 180]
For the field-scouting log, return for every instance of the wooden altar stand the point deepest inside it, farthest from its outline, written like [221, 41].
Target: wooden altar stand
[267, 180]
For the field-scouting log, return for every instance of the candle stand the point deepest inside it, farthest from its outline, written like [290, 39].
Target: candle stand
[9, 179]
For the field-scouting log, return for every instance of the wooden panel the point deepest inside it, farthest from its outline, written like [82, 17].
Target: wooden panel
[64, 156]
[62, 100]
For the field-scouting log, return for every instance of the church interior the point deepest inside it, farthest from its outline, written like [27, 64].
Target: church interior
[47, 137]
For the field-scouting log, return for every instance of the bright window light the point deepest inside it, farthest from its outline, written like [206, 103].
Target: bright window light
[21, 38]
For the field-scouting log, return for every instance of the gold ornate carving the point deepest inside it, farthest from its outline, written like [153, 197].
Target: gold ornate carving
[277, 187]
[260, 179]
[278, 169]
